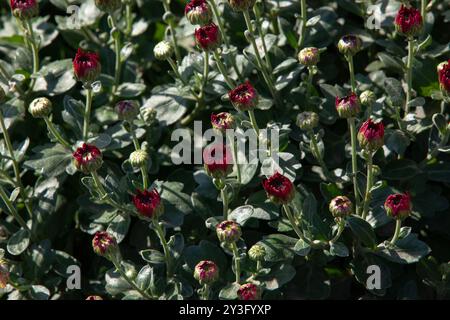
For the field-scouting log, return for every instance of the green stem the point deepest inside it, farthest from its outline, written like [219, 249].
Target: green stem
[137, 147]
[87, 112]
[222, 69]
[398, 225]
[224, 196]
[423, 6]
[129, 19]
[55, 133]
[341, 228]
[368, 185]
[171, 24]
[261, 35]
[104, 196]
[12, 210]
[225, 39]
[409, 74]
[319, 157]
[351, 69]
[35, 52]
[159, 231]
[291, 219]
[237, 263]
[303, 17]
[205, 293]
[309, 85]
[130, 281]
[174, 67]
[200, 98]
[260, 63]
[352, 126]
[236, 160]
[117, 48]
[251, 114]
[258, 266]
[16, 167]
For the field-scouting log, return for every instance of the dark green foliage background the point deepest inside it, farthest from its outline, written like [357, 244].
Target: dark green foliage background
[66, 216]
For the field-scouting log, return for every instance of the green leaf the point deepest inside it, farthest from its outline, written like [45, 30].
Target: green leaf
[49, 160]
[168, 103]
[339, 249]
[152, 256]
[438, 172]
[400, 169]
[395, 91]
[229, 292]
[18, 242]
[130, 90]
[279, 275]
[405, 251]
[38, 292]
[302, 248]
[241, 214]
[55, 78]
[119, 227]
[362, 230]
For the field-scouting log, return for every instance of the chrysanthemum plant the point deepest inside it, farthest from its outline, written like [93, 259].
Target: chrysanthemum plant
[360, 181]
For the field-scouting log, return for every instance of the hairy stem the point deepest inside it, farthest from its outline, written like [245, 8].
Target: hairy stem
[160, 232]
[341, 227]
[15, 164]
[369, 184]
[224, 196]
[55, 133]
[261, 35]
[259, 61]
[352, 126]
[117, 48]
[171, 24]
[35, 52]
[12, 210]
[222, 69]
[398, 225]
[303, 18]
[87, 112]
[237, 263]
[409, 74]
[318, 156]
[291, 219]
[130, 281]
[252, 117]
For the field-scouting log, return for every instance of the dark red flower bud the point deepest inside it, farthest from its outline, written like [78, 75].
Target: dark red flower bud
[148, 204]
[249, 291]
[88, 158]
[228, 231]
[398, 206]
[105, 245]
[198, 12]
[348, 106]
[444, 76]
[241, 5]
[350, 45]
[218, 161]
[244, 97]
[206, 272]
[127, 109]
[340, 207]
[371, 135]
[24, 9]
[408, 21]
[279, 189]
[86, 66]
[208, 37]
[222, 121]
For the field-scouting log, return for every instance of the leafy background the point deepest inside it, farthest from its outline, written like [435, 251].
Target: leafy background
[66, 214]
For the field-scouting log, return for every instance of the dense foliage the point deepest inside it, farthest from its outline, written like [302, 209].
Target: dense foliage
[356, 207]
